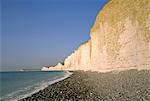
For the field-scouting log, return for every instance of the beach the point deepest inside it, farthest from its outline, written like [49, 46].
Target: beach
[20, 84]
[129, 85]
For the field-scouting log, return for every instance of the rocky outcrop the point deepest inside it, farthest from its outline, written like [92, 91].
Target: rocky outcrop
[120, 39]
[58, 67]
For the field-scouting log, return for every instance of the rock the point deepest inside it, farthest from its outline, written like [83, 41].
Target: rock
[119, 39]
[97, 87]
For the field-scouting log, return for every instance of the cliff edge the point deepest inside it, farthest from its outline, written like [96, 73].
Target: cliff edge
[119, 39]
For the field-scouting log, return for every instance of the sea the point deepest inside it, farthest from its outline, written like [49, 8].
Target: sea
[20, 84]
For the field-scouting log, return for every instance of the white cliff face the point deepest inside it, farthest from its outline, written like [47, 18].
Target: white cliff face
[59, 66]
[120, 39]
[77, 61]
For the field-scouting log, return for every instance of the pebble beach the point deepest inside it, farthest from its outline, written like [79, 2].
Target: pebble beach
[129, 85]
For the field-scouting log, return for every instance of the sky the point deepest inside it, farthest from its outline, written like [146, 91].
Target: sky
[43, 32]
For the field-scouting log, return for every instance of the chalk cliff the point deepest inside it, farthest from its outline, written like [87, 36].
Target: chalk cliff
[58, 67]
[119, 39]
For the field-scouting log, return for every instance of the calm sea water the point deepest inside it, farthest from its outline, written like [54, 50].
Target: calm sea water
[16, 85]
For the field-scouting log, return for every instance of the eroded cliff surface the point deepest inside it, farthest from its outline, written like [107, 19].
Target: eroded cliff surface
[120, 39]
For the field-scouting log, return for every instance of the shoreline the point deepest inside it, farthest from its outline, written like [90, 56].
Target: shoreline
[89, 86]
[66, 75]
[33, 88]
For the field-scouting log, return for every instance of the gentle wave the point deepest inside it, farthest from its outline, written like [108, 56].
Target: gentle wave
[28, 91]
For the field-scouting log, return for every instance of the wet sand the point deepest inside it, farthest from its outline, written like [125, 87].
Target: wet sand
[129, 85]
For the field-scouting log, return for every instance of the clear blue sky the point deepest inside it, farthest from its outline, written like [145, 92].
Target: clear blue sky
[44, 32]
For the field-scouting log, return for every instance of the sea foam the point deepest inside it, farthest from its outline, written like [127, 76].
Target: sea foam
[29, 90]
